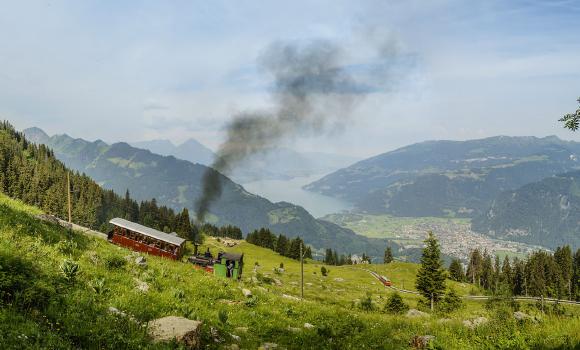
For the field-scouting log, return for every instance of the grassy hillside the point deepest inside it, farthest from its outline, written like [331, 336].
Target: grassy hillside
[40, 308]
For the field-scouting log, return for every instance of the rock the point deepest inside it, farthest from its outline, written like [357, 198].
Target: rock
[291, 297]
[232, 347]
[338, 279]
[183, 330]
[247, 293]
[520, 316]
[235, 337]
[476, 322]
[277, 282]
[308, 284]
[309, 326]
[215, 335]
[115, 311]
[141, 261]
[268, 346]
[421, 341]
[143, 287]
[416, 313]
[254, 279]
[294, 329]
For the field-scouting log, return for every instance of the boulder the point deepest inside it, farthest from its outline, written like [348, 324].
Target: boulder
[277, 282]
[140, 260]
[421, 341]
[309, 326]
[183, 330]
[268, 346]
[520, 316]
[247, 293]
[476, 322]
[416, 313]
[143, 287]
[236, 337]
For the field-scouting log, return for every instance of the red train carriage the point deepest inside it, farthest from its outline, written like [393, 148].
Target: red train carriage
[145, 239]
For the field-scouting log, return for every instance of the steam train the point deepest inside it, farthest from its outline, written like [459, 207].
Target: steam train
[147, 240]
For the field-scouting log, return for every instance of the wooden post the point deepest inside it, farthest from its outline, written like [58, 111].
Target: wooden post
[68, 196]
[431, 301]
[301, 272]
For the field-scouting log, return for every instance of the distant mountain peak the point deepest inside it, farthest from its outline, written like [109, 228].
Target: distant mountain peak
[36, 135]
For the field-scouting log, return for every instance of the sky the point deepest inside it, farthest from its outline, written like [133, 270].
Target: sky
[141, 70]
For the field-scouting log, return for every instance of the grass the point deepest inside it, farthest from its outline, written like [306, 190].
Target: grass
[45, 310]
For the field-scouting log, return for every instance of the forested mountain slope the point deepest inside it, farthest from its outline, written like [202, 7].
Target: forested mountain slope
[546, 213]
[448, 178]
[177, 184]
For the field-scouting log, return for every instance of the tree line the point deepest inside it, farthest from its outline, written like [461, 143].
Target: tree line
[555, 275]
[280, 244]
[331, 257]
[32, 173]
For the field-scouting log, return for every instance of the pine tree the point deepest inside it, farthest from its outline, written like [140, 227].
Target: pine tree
[388, 255]
[430, 280]
[576, 277]
[308, 253]
[474, 267]
[282, 245]
[564, 261]
[487, 271]
[506, 276]
[456, 271]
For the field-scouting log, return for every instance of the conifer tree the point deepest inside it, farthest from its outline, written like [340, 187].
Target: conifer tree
[430, 280]
[282, 245]
[456, 271]
[388, 255]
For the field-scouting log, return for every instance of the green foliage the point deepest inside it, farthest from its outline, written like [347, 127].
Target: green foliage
[571, 120]
[223, 316]
[395, 304]
[70, 270]
[114, 261]
[430, 280]
[388, 258]
[366, 303]
[456, 271]
[98, 286]
[324, 271]
[450, 302]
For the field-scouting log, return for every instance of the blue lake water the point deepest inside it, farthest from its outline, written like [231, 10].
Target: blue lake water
[291, 191]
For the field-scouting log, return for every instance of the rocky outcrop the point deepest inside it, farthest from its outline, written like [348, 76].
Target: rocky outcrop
[183, 330]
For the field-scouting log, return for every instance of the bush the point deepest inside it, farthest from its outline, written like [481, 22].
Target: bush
[70, 270]
[113, 262]
[98, 286]
[395, 304]
[366, 303]
[324, 271]
[450, 302]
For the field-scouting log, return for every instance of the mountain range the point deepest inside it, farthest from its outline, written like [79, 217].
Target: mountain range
[448, 178]
[277, 163]
[177, 184]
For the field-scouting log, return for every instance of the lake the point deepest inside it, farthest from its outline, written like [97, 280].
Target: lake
[291, 191]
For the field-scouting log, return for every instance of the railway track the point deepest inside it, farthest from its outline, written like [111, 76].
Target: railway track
[480, 297]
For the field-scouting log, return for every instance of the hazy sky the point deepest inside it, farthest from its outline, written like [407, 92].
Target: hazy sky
[138, 70]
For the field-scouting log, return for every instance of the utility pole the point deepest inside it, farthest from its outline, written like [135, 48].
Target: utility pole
[301, 271]
[68, 197]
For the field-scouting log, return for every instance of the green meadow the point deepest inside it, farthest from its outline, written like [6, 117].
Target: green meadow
[46, 304]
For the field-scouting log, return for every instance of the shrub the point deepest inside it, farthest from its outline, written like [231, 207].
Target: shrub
[113, 262]
[395, 304]
[223, 316]
[324, 271]
[98, 286]
[70, 270]
[366, 303]
[450, 302]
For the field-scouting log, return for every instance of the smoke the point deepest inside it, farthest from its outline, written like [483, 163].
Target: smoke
[314, 92]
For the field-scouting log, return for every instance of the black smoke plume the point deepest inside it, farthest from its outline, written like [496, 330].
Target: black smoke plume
[313, 92]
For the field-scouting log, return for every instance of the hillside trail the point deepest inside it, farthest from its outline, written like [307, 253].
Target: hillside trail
[477, 297]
